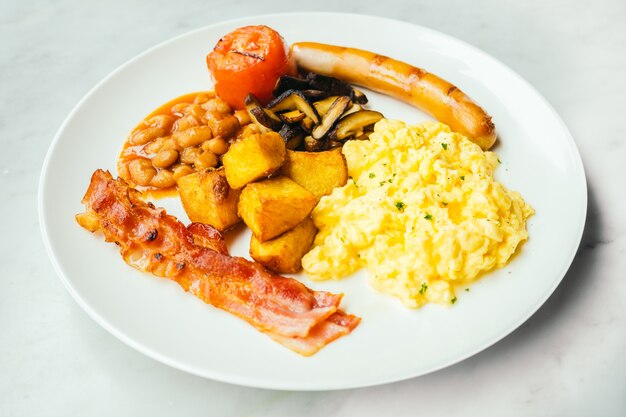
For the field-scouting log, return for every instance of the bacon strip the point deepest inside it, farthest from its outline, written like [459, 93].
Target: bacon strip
[196, 257]
[337, 325]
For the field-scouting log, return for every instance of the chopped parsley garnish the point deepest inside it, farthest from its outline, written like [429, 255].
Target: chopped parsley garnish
[453, 300]
[463, 177]
[444, 203]
[444, 146]
[499, 161]
[428, 216]
[372, 175]
[400, 205]
[381, 183]
[467, 290]
[423, 288]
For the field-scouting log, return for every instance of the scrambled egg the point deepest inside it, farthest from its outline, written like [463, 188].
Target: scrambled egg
[421, 211]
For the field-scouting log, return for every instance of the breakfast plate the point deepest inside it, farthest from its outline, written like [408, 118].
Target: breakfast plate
[538, 158]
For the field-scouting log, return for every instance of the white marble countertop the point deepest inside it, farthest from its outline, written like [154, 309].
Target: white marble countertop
[567, 360]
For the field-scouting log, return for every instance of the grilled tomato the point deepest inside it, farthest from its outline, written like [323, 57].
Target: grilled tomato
[249, 60]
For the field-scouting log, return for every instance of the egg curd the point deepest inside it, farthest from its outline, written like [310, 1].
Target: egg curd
[421, 212]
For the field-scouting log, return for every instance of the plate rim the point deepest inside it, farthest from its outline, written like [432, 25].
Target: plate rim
[268, 383]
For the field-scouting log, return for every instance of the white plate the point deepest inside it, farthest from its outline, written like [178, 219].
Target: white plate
[539, 159]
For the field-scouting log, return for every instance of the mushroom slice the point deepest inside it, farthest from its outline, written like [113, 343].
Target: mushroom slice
[287, 82]
[353, 109]
[314, 145]
[266, 119]
[322, 106]
[315, 95]
[333, 114]
[335, 86]
[334, 144]
[358, 96]
[351, 124]
[307, 124]
[332, 85]
[294, 116]
[292, 135]
[292, 100]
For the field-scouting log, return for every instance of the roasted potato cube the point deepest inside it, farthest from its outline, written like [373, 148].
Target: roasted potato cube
[284, 253]
[253, 158]
[207, 198]
[273, 206]
[318, 172]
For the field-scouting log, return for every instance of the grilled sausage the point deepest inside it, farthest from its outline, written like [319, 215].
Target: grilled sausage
[424, 90]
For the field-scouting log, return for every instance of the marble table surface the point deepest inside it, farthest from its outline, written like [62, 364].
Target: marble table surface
[566, 360]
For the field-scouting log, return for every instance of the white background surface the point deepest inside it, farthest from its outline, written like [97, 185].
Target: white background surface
[568, 359]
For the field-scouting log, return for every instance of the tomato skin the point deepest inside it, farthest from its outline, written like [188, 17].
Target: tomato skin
[249, 60]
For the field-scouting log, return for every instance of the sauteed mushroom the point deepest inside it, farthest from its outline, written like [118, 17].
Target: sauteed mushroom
[315, 112]
[313, 145]
[351, 124]
[333, 114]
[292, 100]
[265, 118]
[292, 135]
[287, 82]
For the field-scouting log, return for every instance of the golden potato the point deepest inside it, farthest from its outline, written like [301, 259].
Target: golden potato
[273, 206]
[207, 198]
[318, 172]
[253, 158]
[284, 253]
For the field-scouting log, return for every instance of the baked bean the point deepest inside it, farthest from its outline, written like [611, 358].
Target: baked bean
[141, 137]
[163, 179]
[184, 123]
[178, 108]
[180, 138]
[181, 171]
[193, 136]
[194, 110]
[243, 117]
[205, 160]
[160, 120]
[169, 143]
[225, 128]
[211, 115]
[141, 171]
[217, 105]
[216, 145]
[203, 98]
[189, 155]
[153, 147]
[165, 158]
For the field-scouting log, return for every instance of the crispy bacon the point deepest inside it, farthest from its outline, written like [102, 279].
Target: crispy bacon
[196, 257]
[337, 325]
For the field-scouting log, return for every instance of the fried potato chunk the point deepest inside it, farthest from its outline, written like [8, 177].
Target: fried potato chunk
[253, 157]
[273, 206]
[207, 198]
[318, 172]
[284, 253]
